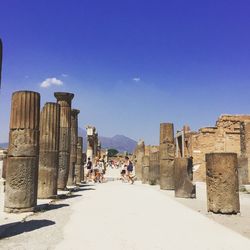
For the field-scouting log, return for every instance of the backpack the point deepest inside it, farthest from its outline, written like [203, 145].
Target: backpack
[130, 167]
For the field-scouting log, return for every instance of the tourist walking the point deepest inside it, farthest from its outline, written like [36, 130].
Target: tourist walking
[130, 168]
[89, 167]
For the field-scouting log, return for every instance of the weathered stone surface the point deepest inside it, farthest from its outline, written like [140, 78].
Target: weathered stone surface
[145, 169]
[222, 183]
[23, 142]
[5, 162]
[22, 170]
[224, 137]
[79, 162]
[21, 184]
[64, 100]
[63, 170]
[167, 154]
[243, 170]
[73, 146]
[24, 111]
[154, 168]
[49, 149]
[139, 152]
[245, 146]
[184, 187]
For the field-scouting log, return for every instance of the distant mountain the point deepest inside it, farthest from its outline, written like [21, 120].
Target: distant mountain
[119, 142]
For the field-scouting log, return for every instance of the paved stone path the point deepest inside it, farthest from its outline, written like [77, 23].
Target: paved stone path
[138, 217]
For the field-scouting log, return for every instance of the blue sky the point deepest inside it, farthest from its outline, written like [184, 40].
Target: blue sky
[131, 64]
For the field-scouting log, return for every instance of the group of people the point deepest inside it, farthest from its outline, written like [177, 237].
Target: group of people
[96, 170]
[127, 171]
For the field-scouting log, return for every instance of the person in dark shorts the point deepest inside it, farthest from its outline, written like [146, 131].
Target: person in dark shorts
[130, 169]
[89, 167]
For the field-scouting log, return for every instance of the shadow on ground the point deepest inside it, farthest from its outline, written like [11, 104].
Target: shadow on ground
[67, 196]
[82, 189]
[48, 207]
[16, 228]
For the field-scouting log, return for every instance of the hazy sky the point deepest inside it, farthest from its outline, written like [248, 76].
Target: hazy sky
[131, 64]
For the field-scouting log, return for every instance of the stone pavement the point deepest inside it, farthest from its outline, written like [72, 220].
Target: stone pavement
[123, 217]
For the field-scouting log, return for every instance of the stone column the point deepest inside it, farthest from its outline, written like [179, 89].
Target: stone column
[222, 183]
[140, 152]
[145, 169]
[244, 158]
[154, 168]
[49, 149]
[183, 173]
[90, 142]
[22, 170]
[64, 100]
[167, 154]
[73, 146]
[84, 160]
[79, 161]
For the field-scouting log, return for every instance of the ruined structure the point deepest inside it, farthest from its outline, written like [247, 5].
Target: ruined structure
[145, 169]
[73, 146]
[64, 100]
[92, 142]
[167, 154]
[224, 137]
[154, 166]
[22, 170]
[79, 161]
[183, 174]
[139, 153]
[49, 148]
[222, 183]
[244, 158]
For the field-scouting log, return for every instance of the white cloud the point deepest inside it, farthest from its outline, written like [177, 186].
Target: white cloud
[65, 75]
[136, 79]
[51, 81]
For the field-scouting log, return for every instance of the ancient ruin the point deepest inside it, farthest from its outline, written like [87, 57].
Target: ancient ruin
[222, 183]
[64, 100]
[49, 149]
[92, 142]
[224, 137]
[167, 154]
[22, 170]
[154, 166]
[79, 171]
[139, 153]
[73, 146]
[145, 169]
[183, 174]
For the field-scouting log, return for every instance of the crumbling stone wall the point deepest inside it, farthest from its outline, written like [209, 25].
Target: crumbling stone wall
[224, 137]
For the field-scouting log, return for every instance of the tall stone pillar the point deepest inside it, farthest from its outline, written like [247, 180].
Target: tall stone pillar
[222, 183]
[140, 152]
[73, 146]
[145, 169]
[79, 162]
[22, 170]
[64, 100]
[49, 149]
[167, 154]
[183, 173]
[244, 158]
[90, 142]
[154, 168]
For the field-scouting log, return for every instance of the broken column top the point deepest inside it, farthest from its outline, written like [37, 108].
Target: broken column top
[64, 96]
[75, 111]
[166, 132]
[91, 130]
